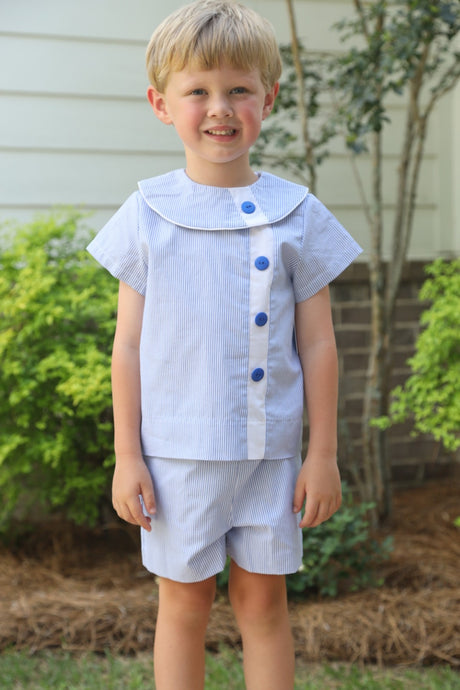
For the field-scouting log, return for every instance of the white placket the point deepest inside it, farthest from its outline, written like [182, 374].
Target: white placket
[260, 282]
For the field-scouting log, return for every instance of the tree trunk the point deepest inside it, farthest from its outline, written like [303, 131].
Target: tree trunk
[375, 467]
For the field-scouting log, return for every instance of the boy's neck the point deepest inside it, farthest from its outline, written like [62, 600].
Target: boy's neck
[220, 175]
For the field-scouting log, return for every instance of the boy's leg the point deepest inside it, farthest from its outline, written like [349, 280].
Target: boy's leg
[260, 606]
[183, 614]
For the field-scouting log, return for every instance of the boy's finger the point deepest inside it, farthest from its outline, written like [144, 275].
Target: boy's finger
[310, 514]
[138, 515]
[148, 496]
[299, 498]
[125, 514]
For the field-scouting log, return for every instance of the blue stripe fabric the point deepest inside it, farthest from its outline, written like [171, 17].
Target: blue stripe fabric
[192, 251]
[208, 510]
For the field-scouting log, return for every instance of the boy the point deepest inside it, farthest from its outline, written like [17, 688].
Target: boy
[217, 266]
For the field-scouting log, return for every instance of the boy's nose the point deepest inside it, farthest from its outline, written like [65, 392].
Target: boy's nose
[219, 107]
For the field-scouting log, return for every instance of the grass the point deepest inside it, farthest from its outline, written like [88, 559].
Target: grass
[62, 671]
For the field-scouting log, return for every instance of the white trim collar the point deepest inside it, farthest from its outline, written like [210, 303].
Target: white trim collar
[180, 200]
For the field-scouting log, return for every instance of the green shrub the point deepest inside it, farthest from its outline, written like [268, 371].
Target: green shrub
[431, 394]
[57, 309]
[339, 554]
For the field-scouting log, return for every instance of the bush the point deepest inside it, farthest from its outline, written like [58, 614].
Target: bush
[57, 309]
[339, 554]
[431, 394]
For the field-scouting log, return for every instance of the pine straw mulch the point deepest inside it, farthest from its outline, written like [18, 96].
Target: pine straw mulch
[88, 592]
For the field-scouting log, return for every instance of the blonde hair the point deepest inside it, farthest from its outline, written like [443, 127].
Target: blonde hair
[209, 33]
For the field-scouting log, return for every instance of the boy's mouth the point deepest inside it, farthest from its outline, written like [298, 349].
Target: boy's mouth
[221, 132]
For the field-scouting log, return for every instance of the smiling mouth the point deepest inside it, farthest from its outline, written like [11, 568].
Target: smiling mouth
[221, 132]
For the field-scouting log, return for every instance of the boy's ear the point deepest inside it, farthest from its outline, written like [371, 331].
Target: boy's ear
[158, 103]
[269, 102]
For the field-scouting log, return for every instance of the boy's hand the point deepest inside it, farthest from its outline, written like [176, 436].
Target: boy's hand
[131, 480]
[319, 483]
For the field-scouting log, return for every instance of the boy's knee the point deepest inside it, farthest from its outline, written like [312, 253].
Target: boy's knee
[258, 599]
[190, 601]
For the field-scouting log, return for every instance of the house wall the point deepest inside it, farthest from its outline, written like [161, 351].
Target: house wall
[75, 127]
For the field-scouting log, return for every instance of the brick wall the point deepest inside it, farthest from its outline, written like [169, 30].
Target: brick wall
[413, 460]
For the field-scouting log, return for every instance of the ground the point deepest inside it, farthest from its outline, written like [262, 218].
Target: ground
[88, 591]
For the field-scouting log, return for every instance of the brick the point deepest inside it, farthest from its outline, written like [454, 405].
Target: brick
[349, 293]
[404, 336]
[408, 290]
[400, 358]
[356, 315]
[405, 474]
[353, 407]
[352, 338]
[355, 430]
[350, 385]
[413, 450]
[356, 272]
[355, 362]
[398, 379]
[439, 470]
[409, 312]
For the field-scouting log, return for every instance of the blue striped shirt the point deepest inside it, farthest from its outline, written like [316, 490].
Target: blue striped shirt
[221, 270]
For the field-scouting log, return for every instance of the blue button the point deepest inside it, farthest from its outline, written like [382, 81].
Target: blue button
[248, 207]
[257, 374]
[261, 318]
[262, 263]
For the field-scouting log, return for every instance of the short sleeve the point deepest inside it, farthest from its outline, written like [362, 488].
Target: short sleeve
[326, 250]
[119, 248]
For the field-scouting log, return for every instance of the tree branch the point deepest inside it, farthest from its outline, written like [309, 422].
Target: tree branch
[361, 190]
[303, 112]
[360, 10]
[405, 193]
[446, 83]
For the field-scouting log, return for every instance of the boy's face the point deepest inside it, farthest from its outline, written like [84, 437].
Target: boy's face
[218, 115]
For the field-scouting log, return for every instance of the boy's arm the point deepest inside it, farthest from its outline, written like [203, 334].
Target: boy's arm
[319, 479]
[131, 477]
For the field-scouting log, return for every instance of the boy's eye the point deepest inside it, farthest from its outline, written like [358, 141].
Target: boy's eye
[239, 89]
[197, 92]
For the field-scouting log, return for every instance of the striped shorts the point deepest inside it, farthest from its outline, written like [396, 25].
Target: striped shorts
[208, 510]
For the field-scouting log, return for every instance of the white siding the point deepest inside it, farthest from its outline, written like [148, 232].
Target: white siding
[75, 126]
[76, 129]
